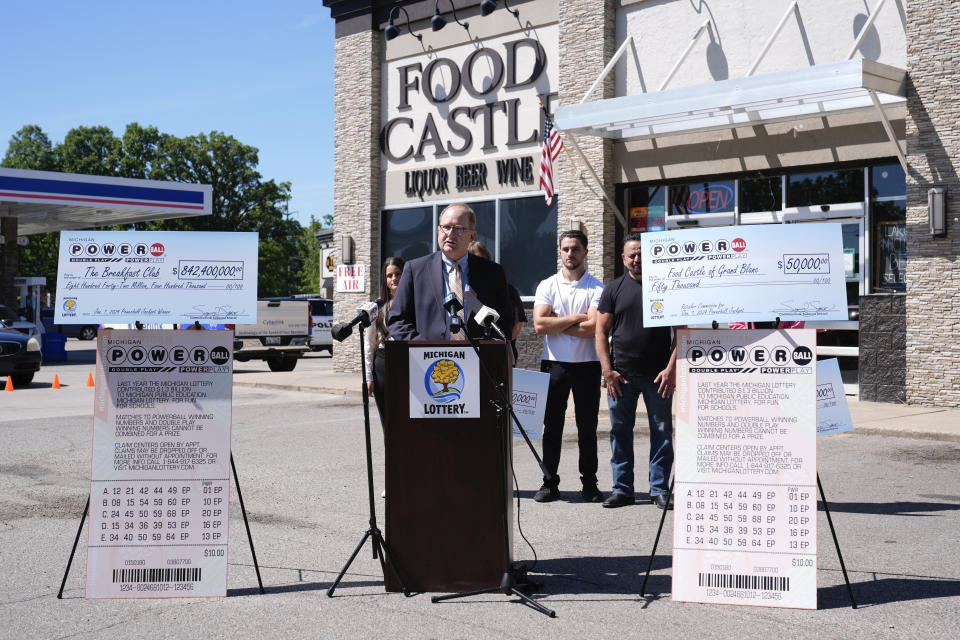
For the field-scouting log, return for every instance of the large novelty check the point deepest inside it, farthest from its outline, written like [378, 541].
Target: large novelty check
[157, 276]
[744, 274]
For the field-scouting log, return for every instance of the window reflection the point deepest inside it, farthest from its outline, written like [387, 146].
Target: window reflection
[528, 241]
[826, 187]
[761, 194]
[407, 233]
[645, 208]
[486, 223]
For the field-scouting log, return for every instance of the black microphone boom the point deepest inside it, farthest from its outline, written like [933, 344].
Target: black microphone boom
[367, 314]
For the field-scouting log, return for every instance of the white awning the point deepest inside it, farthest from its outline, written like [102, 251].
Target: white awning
[821, 90]
[49, 201]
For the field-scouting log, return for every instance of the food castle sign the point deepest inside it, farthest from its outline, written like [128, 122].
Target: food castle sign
[467, 120]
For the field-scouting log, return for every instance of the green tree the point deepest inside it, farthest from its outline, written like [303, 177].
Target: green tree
[314, 253]
[242, 199]
[30, 148]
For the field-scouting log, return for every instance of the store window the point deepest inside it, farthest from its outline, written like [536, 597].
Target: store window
[646, 207]
[486, 223]
[703, 197]
[888, 213]
[407, 233]
[825, 187]
[526, 245]
[528, 241]
[761, 194]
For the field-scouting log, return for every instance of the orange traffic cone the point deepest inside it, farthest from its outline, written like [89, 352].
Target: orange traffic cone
[90, 380]
[56, 381]
[9, 386]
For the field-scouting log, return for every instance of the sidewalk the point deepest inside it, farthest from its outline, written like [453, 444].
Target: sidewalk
[875, 418]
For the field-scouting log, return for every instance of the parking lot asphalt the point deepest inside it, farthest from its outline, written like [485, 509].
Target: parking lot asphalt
[298, 441]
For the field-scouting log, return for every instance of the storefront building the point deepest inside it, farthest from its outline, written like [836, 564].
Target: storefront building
[675, 115]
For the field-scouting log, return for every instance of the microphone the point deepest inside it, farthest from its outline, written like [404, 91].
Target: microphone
[487, 318]
[367, 313]
[452, 305]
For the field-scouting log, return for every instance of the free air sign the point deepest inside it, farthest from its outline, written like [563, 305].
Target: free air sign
[351, 278]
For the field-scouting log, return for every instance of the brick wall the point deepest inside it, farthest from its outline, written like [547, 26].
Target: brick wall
[933, 149]
[587, 42]
[883, 337]
[356, 191]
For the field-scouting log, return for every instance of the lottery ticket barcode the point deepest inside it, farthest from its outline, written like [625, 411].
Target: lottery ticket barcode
[741, 581]
[183, 574]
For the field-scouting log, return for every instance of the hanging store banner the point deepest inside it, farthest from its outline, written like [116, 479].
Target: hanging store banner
[745, 529]
[833, 412]
[160, 485]
[748, 273]
[156, 277]
[444, 382]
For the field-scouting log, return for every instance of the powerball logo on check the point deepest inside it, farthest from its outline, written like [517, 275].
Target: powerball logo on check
[671, 250]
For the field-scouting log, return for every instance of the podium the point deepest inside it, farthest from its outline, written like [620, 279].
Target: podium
[447, 489]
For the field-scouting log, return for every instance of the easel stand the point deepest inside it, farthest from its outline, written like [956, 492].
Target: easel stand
[379, 545]
[243, 509]
[514, 580]
[826, 509]
[253, 552]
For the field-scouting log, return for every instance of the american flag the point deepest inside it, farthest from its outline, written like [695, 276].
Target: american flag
[552, 145]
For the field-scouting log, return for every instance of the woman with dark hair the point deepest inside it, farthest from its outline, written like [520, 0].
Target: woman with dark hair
[377, 335]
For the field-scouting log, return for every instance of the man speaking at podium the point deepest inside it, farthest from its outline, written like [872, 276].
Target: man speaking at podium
[433, 287]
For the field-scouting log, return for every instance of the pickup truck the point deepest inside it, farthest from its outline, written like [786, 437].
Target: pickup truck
[280, 336]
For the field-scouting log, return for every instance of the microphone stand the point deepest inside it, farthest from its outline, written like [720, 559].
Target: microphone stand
[515, 578]
[379, 545]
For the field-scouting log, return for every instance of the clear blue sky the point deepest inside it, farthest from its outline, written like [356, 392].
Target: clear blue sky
[259, 71]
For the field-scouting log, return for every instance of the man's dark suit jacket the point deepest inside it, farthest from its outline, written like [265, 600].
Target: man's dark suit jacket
[417, 311]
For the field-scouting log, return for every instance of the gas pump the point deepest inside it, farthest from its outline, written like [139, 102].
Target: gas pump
[30, 297]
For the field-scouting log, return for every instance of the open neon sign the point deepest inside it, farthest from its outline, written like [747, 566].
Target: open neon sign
[710, 198]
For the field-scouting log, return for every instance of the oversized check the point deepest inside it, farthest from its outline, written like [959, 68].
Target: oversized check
[745, 519]
[160, 485]
[157, 277]
[750, 273]
[833, 412]
[530, 401]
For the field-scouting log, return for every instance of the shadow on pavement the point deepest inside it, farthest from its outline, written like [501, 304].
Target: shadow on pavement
[642, 499]
[602, 575]
[304, 586]
[888, 590]
[898, 508]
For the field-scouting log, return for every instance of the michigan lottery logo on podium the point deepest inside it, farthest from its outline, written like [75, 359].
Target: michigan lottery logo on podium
[441, 381]
[444, 383]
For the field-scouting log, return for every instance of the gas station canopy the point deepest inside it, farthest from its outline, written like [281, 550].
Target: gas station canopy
[45, 201]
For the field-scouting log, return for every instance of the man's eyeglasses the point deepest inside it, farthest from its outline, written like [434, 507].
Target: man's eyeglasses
[458, 230]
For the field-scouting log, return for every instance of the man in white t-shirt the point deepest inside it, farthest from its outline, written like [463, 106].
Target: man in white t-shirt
[565, 314]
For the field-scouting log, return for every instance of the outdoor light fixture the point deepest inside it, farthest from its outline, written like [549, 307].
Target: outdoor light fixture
[489, 6]
[346, 254]
[438, 22]
[937, 211]
[392, 31]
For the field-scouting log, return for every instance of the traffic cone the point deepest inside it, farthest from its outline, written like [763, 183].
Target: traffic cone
[90, 380]
[9, 386]
[56, 381]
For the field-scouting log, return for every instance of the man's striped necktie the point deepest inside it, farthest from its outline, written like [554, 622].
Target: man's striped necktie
[457, 288]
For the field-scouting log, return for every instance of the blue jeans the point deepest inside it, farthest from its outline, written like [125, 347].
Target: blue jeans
[623, 415]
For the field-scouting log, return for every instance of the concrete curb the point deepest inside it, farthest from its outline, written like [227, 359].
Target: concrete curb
[864, 429]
